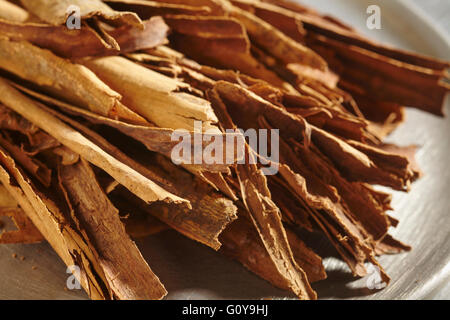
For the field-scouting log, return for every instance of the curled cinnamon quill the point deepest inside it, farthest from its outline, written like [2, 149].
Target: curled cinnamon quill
[57, 12]
[85, 41]
[62, 77]
[159, 99]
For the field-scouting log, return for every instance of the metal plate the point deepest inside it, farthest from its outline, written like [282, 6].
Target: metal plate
[192, 271]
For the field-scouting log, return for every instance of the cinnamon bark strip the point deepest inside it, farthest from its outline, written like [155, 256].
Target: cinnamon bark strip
[288, 29]
[36, 141]
[85, 41]
[401, 83]
[242, 243]
[266, 216]
[158, 98]
[74, 82]
[332, 117]
[56, 12]
[389, 245]
[384, 117]
[227, 42]
[126, 271]
[135, 182]
[211, 212]
[331, 216]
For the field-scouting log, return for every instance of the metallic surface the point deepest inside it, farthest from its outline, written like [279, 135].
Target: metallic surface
[192, 271]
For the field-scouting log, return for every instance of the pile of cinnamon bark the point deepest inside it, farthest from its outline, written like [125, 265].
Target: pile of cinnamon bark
[87, 117]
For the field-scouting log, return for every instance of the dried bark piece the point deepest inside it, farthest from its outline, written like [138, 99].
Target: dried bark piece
[126, 271]
[158, 98]
[101, 29]
[329, 117]
[38, 141]
[66, 156]
[384, 116]
[135, 182]
[227, 42]
[289, 30]
[112, 244]
[393, 163]
[400, 83]
[355, 222]
[10, 11]
[211, 212]
[389, 245]
[363, 208]
[213, 6]
[408, 152]
[56, 12]
[85, 41]
[71, 81]
[266, 216]
[293, 213]
[318, 196]
[242, 243]
[332, 117]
